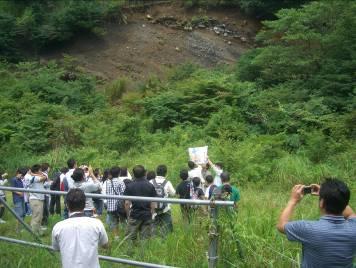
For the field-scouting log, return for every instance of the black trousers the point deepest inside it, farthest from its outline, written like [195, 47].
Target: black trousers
[55, 204]
[45, 211]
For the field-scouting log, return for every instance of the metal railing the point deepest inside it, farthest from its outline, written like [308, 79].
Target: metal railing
[213, 234]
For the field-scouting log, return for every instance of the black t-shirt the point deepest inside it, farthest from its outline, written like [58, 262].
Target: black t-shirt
[183, 190]
[140, 210]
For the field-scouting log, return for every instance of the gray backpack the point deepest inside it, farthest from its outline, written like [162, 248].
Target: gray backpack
[159, 187]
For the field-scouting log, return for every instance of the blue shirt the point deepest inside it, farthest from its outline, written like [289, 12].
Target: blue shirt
[328, 242]
[16, 182]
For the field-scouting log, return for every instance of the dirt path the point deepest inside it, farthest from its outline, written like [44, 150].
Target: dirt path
[144, 47]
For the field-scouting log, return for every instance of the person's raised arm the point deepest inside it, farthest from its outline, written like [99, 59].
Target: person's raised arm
[92, 175]
[348, 213]
[215, 168]
[295, 197]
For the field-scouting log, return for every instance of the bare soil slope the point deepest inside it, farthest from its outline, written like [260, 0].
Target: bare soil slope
[154, 40]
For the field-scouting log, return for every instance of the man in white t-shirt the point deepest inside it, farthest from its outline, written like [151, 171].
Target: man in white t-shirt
[218, 169]
[72, 165]
[78, 237]
[163, 218]
[34, 179]
[68, 181]
[196, 171]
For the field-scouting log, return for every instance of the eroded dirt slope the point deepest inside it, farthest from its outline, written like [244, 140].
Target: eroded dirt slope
[159, 38]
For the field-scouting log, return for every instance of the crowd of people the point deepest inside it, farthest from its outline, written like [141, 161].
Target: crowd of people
[327, 242]
[134, 217]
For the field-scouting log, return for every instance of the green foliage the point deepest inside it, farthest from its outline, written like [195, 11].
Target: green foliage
[35, 25]
[307, 47]
[8, 47]
[116, 89]
[258, 8]
[266, 9]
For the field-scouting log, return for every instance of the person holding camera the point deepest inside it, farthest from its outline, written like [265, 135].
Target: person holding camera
[331, 240]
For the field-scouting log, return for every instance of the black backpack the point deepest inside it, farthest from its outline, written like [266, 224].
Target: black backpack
[211, 190]
[159, 187]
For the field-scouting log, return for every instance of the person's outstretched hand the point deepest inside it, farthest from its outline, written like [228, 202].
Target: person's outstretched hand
[297, 193]
[315, 189]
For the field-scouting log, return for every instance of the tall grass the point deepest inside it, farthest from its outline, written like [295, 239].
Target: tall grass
[253, 227]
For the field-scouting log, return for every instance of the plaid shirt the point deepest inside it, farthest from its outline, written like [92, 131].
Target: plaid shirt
[114, 187]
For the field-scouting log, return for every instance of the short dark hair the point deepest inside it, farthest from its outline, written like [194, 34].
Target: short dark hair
[78, 175]
[139, 171]
[35, 168]
[335, 195]
[184, 174]
[225, 176]
[151, 175]
[191, 164]
[71, 163]
[106, 174]
[227, 189]
[161, 170]
[115, 172]
[44, 166]
[209, 178]
[75, 200]
[123, 172]
[64, 170]
[22, 171]
[97, 172]
[196, 181]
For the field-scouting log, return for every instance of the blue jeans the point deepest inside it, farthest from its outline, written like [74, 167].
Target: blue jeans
[19, 208]
[28, 210]
[112, 220]
[88, 213]
[99, 205]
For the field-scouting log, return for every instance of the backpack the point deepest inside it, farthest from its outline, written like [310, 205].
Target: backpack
[194, 196]
[55, 185]
[211, 190]
[159, 187]
[222, 193]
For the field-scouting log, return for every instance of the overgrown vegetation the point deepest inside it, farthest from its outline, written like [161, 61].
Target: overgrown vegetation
[285, 114]
[29, 26]
[258, 8]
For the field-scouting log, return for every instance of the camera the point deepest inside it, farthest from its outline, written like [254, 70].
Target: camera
[307, 190]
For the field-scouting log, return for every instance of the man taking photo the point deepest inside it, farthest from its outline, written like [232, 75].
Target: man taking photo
[330, 241]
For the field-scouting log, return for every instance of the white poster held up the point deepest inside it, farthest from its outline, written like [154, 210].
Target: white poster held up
[199, 155]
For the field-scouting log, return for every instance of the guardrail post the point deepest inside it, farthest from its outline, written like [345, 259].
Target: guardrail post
[213, 238]
[27, 228]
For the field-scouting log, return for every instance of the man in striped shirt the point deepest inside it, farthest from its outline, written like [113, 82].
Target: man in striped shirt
[330, 241]
[115, 187]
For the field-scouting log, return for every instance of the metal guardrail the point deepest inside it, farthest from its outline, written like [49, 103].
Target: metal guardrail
[213, 233]
[131, 198]
[101, 257]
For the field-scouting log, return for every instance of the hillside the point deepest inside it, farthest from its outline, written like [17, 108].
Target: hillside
[280, 110]
[154, 40]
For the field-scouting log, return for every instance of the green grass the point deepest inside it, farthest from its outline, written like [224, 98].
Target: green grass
[254, 227]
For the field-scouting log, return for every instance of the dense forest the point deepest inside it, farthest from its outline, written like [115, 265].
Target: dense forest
[284, 113]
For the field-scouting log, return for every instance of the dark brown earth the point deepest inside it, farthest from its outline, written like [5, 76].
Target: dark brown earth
[142, 48]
